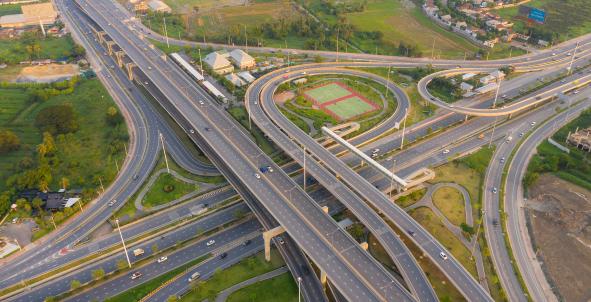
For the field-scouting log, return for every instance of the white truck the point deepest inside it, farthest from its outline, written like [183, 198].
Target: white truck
[138, 252]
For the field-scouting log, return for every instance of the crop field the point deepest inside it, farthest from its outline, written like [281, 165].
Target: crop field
[565, 18]
[340, 101]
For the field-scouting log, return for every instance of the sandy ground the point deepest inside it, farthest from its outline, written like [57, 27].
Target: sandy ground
[560, 215]
[283, 97]
[21, 231]
[47, 73]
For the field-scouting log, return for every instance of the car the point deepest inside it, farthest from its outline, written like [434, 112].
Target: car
[374, 155]
[211, 242]
[305, 269]
[504, 96]
[575, 92]
[194, 276]
[376, 150]
[15, 220]
[135, 177]
[201, 102]
[494, 190]
[257, 176]
[304, 73]
[104, 53]
[445, 151]
[191, 131]
[112, 66]
[247, 242]
[162, 259]
[223, 255]
[443, 255]
[112, 202]
[502, 160]
[135, 275]
[521, 134]
[553, 54]
[411, 233]
[568, 54]
[145, 83]
[206, 128]
[532, 123]
[281, 241]
[563, 81]
[150, 67]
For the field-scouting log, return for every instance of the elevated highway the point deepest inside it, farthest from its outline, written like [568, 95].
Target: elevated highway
[354, 272]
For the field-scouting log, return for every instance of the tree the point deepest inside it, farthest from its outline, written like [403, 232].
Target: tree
[172, 298]
[49, 299]
[121, 264]
[98, 273]
[357, 231]
[75, 284]
[65, 183]
[8, 141]
[37, 203]
[58, 119]
[113, 118]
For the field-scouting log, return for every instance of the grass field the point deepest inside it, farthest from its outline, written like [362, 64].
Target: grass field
[566, 19]
[14, 51]
[10, 9]
[243, 270]
[433, 224]
[84, 154]
[349, 108]
[159, 193]
[327, 93]
[399, 23]
[451, 203]
[281, 288]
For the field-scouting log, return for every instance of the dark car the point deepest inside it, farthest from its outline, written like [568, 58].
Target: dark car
[411, 233]
[247, 242]
[223, 255]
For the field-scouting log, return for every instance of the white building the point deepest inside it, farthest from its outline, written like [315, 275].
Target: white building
[487, 88]
[234, 79]
[466, 87]
[492, 77]
[245, 75]
[468, 76]
[218, 63]
[241, 59]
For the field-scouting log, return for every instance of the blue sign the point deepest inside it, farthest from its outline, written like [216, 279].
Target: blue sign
[537, 15]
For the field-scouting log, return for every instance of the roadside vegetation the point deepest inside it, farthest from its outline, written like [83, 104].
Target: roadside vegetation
[451, 204]
[281, 288]
[62, 135]
[574, 167]
[32, 46]
[166, 189]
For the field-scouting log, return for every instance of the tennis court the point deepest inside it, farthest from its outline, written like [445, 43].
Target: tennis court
[327, 93]
[350, 107]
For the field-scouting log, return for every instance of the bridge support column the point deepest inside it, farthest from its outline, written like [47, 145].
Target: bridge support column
[129, 67]
[267, 236]
[466, 118]
[510, 115]
[119, 55]
[101, 36]
[110, 47]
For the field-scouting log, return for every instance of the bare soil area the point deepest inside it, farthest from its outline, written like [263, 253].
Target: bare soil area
[48, 73]
[560, 215]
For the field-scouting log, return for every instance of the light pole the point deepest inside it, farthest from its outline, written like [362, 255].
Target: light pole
[403, 128]
[493, 106]
[572, 59]
[165, 32]
[164, 150]
[299, 289]
[304, 168]
[392, 179]
[123, 242]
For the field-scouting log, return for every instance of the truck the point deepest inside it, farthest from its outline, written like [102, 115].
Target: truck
[266, 169]
[138, 252]
[509, 138]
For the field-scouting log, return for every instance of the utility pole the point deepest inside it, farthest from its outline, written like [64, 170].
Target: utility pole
[200, 62]
[572, 59]
[165, 32]
[338, 28]
[123, 242]
[246, 37]
[164, 150]
[403, 128]
[388, 81]
[304, 168]
[299, 289]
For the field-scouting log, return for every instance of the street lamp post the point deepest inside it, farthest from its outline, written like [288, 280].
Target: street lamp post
[123, 242]
[299, 289]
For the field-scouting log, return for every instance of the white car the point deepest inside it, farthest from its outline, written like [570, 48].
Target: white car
[575, 92]
[211, 242]
[162, 259]
[532, 123]
[201, 102]
[445, 151]
[257, 175]
[443, 255]
[191, 131]
[136, 275]
[112, 202]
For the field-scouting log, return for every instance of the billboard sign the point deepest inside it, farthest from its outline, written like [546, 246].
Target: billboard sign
[537, 15]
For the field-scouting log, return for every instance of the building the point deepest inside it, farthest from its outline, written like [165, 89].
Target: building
[235, 80]
[581, 139]
[486, 89]
[241, 59]
[245, 75]
[468, 76]
[466, 87]
[32, 15]
[159, 6]
[492, 77]
[218, 63]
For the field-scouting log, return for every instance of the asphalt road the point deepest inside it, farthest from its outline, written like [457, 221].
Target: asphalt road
[361, 278]
[518, 234]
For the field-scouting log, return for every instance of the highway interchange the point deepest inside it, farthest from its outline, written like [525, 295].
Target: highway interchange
[145, 148]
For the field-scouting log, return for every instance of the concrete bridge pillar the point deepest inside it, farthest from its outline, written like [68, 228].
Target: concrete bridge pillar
[110, 47]
[267, 236]
[129, 67]
[101, 36]
[119, 55]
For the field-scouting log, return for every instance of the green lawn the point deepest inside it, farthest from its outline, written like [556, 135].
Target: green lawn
[433, 224]
[451, 203]
[166, 189]
[350, 108]
[281, 288]
[565, 19]
[410, 199]
[10, 9]
[14, 51]
[327, 93]
[244, 270]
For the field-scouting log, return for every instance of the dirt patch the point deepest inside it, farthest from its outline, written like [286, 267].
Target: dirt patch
[560, 216]
[48, 73]
[283, 97]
